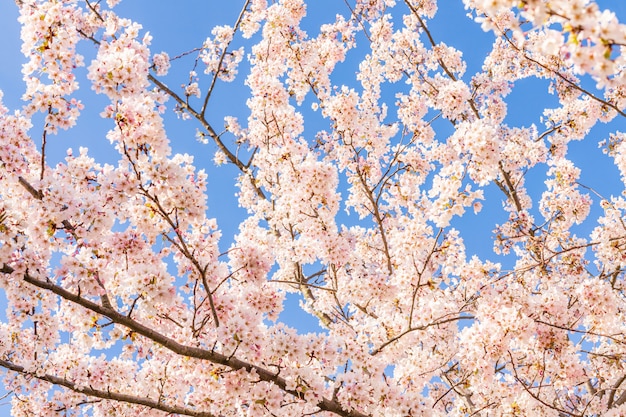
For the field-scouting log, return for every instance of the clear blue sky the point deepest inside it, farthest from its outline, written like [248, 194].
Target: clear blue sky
[179, 26]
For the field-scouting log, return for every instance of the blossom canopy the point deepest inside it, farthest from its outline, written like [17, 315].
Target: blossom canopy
[456, 256]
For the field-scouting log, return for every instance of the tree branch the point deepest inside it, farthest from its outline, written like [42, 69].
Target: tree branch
[192, 352]
[108, 394]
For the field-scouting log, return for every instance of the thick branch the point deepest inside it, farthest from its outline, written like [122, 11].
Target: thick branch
[107, 395]
[193, 352]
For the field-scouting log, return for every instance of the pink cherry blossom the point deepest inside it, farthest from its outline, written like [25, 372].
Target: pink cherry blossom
[457, 259]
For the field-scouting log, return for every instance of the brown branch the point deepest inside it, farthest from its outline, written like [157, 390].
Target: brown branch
[424, 327]
[536, 396]
[455, 387]
[377, 216]
[184, 250]
[420, 274]
[562, 77]
[44, 139]
[439, 60]
[359, 20]
[219, 64]
[35, 193]
[509, 190]
[172, 345]
[621, 399]
[212, 133]
[613, 338]
[206, 125]
[306, 284]
[106, 394]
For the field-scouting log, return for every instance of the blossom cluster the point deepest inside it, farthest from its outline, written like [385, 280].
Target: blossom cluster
[215, 56]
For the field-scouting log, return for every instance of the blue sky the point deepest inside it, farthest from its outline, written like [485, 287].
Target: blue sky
[180, 26]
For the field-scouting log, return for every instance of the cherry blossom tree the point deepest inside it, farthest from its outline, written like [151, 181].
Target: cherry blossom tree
[124, 299]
